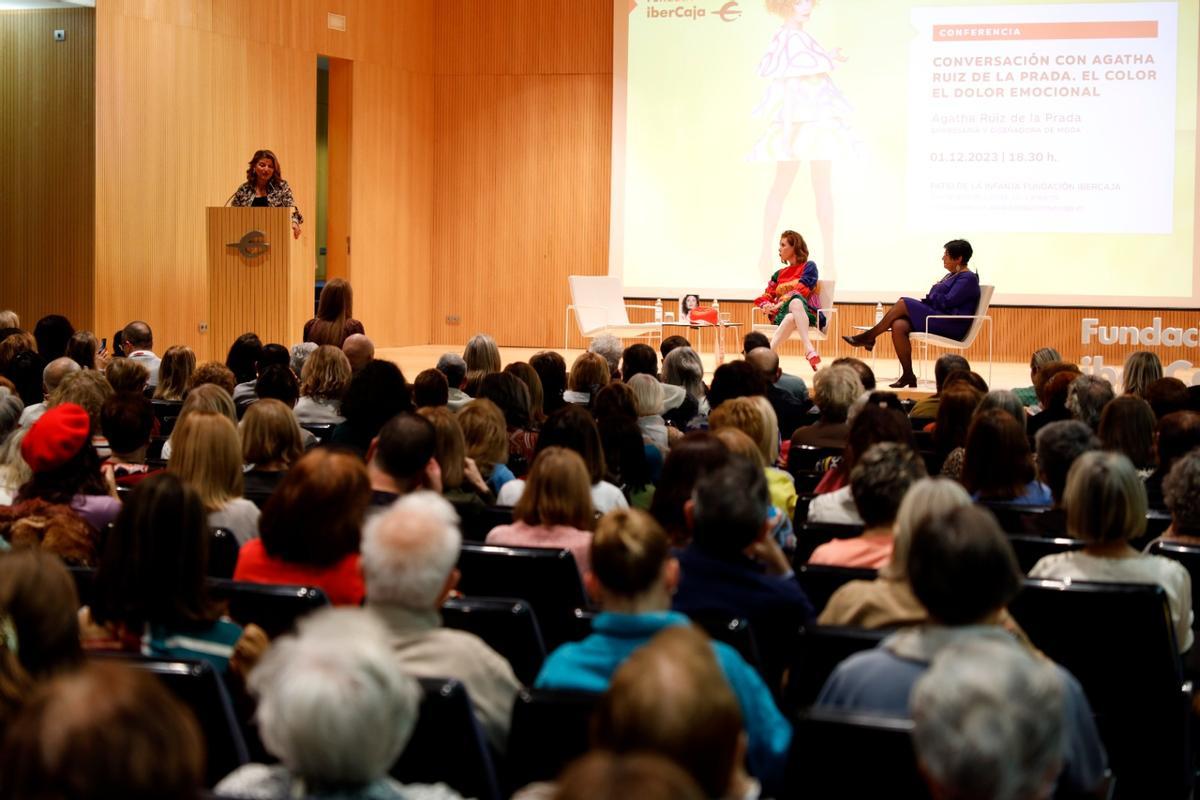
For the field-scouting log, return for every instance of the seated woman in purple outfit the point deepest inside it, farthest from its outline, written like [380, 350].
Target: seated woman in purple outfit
[957, 293]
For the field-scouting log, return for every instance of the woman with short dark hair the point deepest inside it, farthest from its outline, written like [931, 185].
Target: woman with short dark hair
[998, 464]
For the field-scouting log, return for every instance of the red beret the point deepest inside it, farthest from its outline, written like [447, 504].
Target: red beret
[56, 437]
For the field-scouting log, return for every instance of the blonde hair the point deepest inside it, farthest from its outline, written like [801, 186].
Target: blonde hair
[647, 394]
[126, 375]
[206, 453]
[628, 551]
[482, 355]
[739, 444]
[87, 388]
[925, 498]
[208, 397]
[450, 448]
[1142, 368]
[9, 319]
[485, 433]
[270, 433]
[589, 372]
[747, 415]
[326, 373]
[174, 372]
[1105, 499]
[834, 390]
[558, 491]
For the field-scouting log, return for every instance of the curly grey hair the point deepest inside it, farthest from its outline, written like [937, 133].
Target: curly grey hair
[880, 480]
[609, 348]
[1181, 493]
[1087, 397]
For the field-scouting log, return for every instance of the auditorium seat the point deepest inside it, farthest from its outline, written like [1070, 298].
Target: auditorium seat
[925, 340]
[549, 730]
[843, 754]
[321, 431]
[223, 551]
[447, 745]
[273, 607]
[1031, 549]
[820, 581]
[546, 578]
[1189, 556]
[817, 651]
[804, 457]
[197, 685]
[508, 626]
[477, 521]
[1118, 640]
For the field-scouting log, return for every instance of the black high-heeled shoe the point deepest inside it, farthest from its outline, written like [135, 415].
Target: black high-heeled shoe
[905, 382]
[860, 340]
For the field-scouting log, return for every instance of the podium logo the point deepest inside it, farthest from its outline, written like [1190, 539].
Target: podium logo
[251, 246]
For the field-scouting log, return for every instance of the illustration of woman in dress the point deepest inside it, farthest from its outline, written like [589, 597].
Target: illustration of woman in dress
[808, 120]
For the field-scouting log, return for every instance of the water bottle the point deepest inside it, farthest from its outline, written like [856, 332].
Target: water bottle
[717, 307]
[878, 313]
[658, 311]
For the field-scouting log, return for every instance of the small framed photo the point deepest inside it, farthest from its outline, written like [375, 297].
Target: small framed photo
[686, 304]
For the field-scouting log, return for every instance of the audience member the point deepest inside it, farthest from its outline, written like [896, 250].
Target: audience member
[630, 462]
[638, 359]
[359, 351]
[462, 484]
[735, 379]
[878, 482]
[310, 528]
[482, 357]
[486, 435]
[792, 384]
[733, 565]
[964, 573]
[14, 472]
[175, 373]
[572, 427]
[957, 407]
[988, 722]
[1166, 396]
[552, 370]
[11, 412]
[927, 407]
[589, 374]
[671, 698]
[528, 376]
[403, 460]
[789, 411]
[671, 342]
[335, 711]
[85, 350]
[66, 468]
[127, 420]
[1142, 368]
[52, 376]
[138, 345]
[1028, 394]
[648, 401]
[151, 594]
[1178, 433]
[1059, 444]
[1087, 398]
[23, 371]
[608, 347]
[52, 333]
[1052, 383]
[278, 383]
[215, 373]
[876, 422]
[126, 376]
[87, 389]
[299, 354]
[408, 562]
[511, 396]
[690, 457]
[865, 373]
[207, 454]
[682, 367]
[430, 389]
[335, 316]
[375, 395]
[600, 773]
[323, 384]
[103, 731]
[9, 319]
[271, 443]
[1106, 508]
[245, 393]
[998, 465]
[632, 577]
[454, 368]
[754, 417]
[1181, 493]
[206, 397]
[1127, 426]
[39, 603]
[834, 390]
[243, 357]
[555, 509]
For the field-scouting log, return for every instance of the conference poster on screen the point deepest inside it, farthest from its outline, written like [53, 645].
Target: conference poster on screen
[1059, 138]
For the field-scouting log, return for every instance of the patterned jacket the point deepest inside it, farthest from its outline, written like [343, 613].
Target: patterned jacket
[279, 195]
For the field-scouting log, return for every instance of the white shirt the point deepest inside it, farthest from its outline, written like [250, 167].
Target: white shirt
[1171, 575]
[31, 414]
[836, 507]
[605, 496]
[240, 516]
[148, 360]
[314, 411]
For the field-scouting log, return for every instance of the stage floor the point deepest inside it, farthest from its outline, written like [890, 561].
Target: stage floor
[412, 360]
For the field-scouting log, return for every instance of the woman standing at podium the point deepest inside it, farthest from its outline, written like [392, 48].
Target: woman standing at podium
[265, 186]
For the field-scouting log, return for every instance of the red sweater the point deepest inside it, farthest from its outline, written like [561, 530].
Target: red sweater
[342, 582]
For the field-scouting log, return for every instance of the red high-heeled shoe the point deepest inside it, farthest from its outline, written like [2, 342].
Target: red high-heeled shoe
[813, 360]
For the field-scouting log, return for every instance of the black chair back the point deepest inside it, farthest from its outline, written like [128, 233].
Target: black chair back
[1189, 556]
[508, 626]
[1030, 549]
[820, 581]
[448, 745]
[477, 521]
[197, 685]
[321, 431]
[546, 578]
[549, 730]
[274, 608]
[818, 651]
[1012, 516]
[803, 457]
[733, 631]
[826, 757]
[223, 551]
[811, 535]
[1118, 640]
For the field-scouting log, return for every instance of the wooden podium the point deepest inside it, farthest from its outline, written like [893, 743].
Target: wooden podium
[255, 282]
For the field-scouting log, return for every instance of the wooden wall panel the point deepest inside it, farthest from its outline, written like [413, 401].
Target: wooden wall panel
[186, 91]
[47, 160]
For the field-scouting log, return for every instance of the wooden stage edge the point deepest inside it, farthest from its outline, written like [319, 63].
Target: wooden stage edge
[414, 359]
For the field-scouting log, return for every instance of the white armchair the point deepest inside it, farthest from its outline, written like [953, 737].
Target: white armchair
[825, 291]
[600, 309]
[926, 339]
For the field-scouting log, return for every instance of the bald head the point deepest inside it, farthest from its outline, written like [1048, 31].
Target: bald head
[359, 350]
[766, 361]
[409, 552]
[138, 336]
[55, 371]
